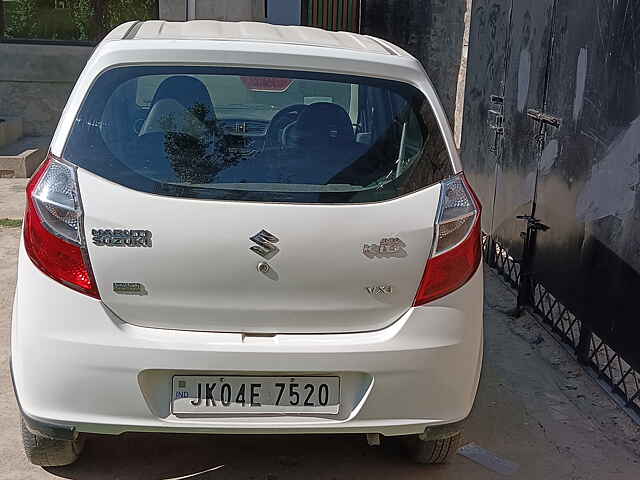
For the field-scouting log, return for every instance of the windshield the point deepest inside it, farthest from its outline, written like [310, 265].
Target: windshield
[258, 135]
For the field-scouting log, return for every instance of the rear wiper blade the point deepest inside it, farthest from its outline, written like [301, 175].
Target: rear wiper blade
[244, 106]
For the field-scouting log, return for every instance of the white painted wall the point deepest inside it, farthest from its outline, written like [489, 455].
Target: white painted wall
[230, 10]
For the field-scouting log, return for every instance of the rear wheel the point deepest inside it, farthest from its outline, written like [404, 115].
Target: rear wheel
[50, 452]
[432, 451]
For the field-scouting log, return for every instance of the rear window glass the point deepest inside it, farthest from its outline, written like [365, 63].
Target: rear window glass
[258, 135]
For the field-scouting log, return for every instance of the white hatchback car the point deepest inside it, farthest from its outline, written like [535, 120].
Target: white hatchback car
[247, 228]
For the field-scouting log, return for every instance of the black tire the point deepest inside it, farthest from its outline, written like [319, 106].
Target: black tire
[432, 451]
[50, 452]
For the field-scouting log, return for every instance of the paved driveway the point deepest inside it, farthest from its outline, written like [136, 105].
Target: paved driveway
[538, 416]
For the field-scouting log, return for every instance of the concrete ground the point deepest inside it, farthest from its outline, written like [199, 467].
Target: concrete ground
[538, 415]
[12, 197]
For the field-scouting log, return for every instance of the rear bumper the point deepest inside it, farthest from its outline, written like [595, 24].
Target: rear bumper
[77, 365]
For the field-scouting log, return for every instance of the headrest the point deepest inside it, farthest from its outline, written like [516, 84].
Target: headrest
[185, 90]
[322, 123]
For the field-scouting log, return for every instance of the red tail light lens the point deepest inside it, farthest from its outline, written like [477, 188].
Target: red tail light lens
[52, 231]
[457, 250]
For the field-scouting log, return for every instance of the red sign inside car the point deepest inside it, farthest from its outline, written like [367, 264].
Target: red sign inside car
[266, 84]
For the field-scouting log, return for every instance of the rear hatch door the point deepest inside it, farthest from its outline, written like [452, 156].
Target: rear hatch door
[336, 268]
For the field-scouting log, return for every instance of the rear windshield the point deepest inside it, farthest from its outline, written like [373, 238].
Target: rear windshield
[258, 135]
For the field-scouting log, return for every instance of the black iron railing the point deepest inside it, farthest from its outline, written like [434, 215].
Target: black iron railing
[589, 349]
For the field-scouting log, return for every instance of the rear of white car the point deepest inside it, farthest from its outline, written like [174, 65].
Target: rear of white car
[243, 228]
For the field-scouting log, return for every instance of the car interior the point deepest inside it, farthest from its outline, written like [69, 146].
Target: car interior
[310, 142]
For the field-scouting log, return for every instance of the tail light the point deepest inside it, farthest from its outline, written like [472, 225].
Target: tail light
[53, 236]
[456, 251]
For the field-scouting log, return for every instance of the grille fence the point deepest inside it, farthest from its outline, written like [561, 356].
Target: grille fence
[622, 379]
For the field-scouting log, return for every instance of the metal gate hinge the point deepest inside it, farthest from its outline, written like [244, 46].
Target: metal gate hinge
[496, 114]
[545, 118]
[495, 121]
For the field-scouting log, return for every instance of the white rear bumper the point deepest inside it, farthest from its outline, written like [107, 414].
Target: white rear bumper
[75, 363]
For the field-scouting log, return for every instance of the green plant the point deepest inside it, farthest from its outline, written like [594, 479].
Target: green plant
[74, 19]
[10, 222]
[22, 21]
[82, 13]
[120, 11]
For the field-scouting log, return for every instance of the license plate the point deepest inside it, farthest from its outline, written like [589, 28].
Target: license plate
[240, 394]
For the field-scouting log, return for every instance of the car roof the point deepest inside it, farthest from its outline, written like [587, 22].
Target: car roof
[252, 32]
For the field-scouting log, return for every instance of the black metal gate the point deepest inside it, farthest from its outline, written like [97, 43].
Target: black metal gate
[551, 142]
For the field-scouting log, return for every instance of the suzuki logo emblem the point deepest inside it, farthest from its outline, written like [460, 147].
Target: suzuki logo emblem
[265, 247]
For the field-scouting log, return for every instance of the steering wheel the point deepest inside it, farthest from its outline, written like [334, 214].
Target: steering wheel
[279, 122]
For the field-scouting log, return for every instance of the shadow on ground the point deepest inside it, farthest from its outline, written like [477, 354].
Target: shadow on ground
[199, 457]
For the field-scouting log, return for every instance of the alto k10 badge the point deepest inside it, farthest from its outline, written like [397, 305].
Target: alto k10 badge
[388, 247]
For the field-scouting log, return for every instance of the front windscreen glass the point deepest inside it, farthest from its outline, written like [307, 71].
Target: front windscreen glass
[258, 135]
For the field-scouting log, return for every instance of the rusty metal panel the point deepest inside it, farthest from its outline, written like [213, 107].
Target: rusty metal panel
[589, 173]
[528, 48]
[482, 135]
[570, 155]
[431, 30]
[331, 14]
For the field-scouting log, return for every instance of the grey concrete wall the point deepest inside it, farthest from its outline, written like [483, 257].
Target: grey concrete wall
[230, 10]
[35, 82]
[174, 10]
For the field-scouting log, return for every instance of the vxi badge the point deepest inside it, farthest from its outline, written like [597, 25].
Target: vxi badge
[121, 238]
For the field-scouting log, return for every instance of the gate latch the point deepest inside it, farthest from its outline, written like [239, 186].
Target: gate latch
[545, 118]
[533, 223]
